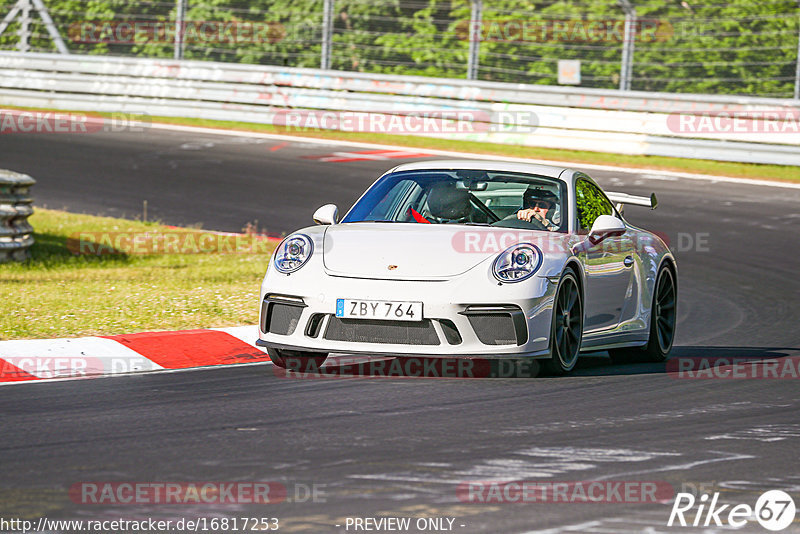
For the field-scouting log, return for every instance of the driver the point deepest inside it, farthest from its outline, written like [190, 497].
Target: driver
[539, 204]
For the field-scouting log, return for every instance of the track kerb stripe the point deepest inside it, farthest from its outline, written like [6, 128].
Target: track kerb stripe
[12, 373]
[191, 348]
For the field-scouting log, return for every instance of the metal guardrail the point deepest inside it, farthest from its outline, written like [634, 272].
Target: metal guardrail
[16, 233]
[468, 90]
[625, 122]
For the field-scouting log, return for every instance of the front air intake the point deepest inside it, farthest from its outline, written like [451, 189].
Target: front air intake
[390, 332]
[280, 315]
[498, 325]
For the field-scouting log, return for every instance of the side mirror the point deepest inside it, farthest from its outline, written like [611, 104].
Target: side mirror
[327, 214]
[605, 226]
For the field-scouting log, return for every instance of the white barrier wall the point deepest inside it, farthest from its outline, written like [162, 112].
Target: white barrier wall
[627, 122]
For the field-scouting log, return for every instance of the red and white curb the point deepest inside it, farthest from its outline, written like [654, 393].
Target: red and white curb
[91, 357]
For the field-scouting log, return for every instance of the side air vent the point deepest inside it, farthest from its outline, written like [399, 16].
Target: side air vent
[314, 324]
[451, 333]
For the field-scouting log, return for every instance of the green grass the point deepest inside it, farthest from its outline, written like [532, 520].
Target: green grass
[60, 294]
[699, 166]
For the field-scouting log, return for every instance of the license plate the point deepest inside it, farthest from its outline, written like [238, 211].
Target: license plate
[388, 310]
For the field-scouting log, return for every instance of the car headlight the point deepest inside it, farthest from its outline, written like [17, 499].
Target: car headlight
[517, 263]
[293, 253]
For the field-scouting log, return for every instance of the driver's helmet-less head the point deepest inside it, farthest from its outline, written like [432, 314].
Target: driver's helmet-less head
[445, 202]
[538, 195]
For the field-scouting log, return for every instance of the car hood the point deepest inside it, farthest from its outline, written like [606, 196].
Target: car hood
[410, 251]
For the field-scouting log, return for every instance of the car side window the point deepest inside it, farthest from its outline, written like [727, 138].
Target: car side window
[591, 203]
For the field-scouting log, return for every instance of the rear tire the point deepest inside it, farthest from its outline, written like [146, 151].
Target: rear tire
[295, 360]
[566, 330]
[663, 319]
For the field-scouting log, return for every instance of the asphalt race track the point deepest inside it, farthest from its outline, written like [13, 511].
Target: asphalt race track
[401, 447]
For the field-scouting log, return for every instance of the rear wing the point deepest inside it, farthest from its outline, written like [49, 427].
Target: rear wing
[625, 198]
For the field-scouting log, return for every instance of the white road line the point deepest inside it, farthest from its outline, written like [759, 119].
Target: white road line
[682, 467]
[449, 153]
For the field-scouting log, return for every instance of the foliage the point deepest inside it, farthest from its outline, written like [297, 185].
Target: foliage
[737, 46]
[591, 204]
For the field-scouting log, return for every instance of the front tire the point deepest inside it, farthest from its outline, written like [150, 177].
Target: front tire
[663, 319]
[566, 331]
[298, 361]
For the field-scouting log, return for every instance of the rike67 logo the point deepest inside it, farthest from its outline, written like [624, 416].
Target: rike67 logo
[774, 510]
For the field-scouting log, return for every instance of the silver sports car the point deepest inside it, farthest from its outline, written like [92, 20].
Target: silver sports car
[471, 259]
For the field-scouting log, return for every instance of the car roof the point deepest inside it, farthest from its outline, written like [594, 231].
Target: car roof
[502, 166]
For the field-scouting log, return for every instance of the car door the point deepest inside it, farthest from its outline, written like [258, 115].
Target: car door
[608, 264]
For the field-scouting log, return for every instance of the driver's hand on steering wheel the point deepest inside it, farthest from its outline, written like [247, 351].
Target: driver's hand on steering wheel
[531, 215]
[528, 214]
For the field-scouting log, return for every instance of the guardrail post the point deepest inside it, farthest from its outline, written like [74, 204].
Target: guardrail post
[180, 31]
[476, 19]
[16, 233]
[628, 42]
[327, 34]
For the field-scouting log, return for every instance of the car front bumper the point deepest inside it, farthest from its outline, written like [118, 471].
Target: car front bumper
[490, 320]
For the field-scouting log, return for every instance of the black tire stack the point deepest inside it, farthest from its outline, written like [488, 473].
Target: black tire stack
[16, 205]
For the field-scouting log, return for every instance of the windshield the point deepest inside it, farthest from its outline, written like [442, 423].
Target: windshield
[503, 199]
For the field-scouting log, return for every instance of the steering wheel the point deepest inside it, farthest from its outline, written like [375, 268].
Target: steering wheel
[511, 221]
